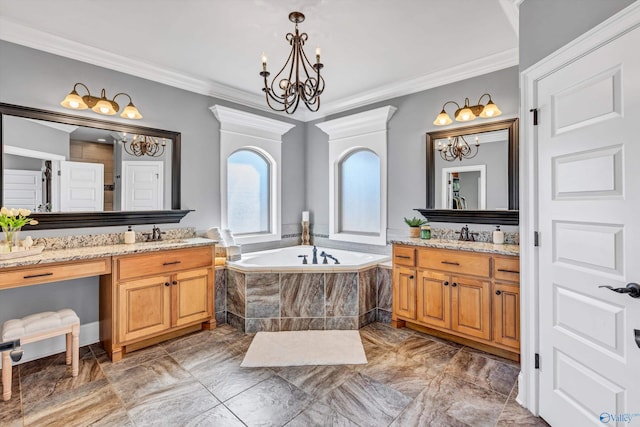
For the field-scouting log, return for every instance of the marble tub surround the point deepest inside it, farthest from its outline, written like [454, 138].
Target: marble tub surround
[300, 301]
[461, 245]
[411, 379]
[89, 252]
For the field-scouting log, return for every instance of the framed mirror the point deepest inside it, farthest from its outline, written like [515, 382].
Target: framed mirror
[472, 174]
[74, 171]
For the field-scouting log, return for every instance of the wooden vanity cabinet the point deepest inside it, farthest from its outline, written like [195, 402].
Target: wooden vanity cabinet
[150, 295]
[470, 297]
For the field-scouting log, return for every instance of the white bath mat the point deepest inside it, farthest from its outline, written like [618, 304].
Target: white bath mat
[297, 348]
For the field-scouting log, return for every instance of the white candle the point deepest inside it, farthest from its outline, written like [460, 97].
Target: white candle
[305, 216]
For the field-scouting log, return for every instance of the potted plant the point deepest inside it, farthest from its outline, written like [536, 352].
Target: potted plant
[414, 225]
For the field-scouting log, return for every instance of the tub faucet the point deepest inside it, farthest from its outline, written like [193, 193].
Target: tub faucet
[326, 255]
[315, 255]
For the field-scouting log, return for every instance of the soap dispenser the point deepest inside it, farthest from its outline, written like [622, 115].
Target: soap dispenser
[129, 236]
[498, 236]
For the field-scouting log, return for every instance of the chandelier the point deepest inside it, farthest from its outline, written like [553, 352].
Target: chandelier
[468, 112]
[457, 148]
[102, 105]
[298, 79]
[144, 145]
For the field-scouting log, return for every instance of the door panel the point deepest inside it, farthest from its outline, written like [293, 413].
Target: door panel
[404, 292]
[192, 297]
[81, 187]
[471, 307]
[589, 196]
[434, 299]
[144, 307]
[506, 314]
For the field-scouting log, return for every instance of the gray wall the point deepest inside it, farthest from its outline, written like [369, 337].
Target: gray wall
[406, 144]
[547, 25]
[37, 79]
[22, 163]
[28, 134]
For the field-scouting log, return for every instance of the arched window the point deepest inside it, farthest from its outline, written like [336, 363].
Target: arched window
[248, 176]
[359, 193]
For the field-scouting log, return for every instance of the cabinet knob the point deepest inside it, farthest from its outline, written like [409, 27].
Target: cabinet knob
[498, 292]
[411, 277]
[167, 284]
[454, 284]
[446, 283]
[175, 282]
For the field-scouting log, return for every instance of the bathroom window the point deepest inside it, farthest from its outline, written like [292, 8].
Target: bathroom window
[248, 192]
[359, 193]
[250, 174]
[358, 176]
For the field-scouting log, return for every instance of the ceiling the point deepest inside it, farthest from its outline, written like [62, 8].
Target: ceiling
[372, 49]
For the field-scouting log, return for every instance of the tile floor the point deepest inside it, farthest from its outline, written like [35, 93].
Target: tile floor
[411, 379]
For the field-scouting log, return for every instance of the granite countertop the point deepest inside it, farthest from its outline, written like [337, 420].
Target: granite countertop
[89, 252]
[485, 247]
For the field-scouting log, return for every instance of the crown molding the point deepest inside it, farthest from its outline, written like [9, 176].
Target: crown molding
[233, 120]
[358, 124]
[14, 32]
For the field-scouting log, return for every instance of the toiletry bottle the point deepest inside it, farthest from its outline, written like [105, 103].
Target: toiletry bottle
[498, 236]
[129, 236]
[425, 231]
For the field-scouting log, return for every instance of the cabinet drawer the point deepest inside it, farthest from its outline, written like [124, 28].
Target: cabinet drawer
[507, 268]
[404, 256]
[454, 261]
[33, 275]
[162, 262]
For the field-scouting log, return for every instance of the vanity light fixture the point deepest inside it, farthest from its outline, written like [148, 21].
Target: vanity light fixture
[467, 112]
[457, 148]
[143, 145]
[100, 105]
[298, 79]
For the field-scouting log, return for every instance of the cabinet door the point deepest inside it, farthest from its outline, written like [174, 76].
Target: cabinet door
[192, 296]
[144, 307]
[404, 292]
[434, 305]
[471, 306]
[506, 314]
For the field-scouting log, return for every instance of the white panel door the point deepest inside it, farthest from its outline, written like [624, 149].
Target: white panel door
[142, 185]
[22, 189]
[81, 187]
[589, 199]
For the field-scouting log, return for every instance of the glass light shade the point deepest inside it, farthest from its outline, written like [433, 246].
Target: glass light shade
[74, 101]
[104, 107]
[465, 115]
[131, 112]
[442, 119]
[490, 110]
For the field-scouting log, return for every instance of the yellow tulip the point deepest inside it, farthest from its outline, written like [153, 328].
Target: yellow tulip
[4, 211]
[33, 222]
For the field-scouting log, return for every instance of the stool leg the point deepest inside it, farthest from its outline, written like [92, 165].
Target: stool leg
[75, 332]
[6, 376]
[69, 346]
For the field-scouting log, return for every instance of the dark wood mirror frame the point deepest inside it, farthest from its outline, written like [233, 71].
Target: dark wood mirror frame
[502, 217]
[101, 219]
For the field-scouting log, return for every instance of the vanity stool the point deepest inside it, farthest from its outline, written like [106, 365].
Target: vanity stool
[38, 327]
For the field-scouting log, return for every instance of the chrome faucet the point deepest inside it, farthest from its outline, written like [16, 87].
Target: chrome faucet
[315, 255]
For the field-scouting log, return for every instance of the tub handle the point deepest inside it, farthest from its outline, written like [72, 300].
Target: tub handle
[304, 258]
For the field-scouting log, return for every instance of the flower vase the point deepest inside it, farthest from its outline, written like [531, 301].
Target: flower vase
[11, 238]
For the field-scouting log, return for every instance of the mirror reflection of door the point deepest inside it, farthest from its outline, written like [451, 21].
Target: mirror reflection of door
[142, 184]
[464, 187]
[36, 146]
[493, 157]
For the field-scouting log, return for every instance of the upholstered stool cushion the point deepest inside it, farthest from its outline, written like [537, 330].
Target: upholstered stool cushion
[18, 328]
